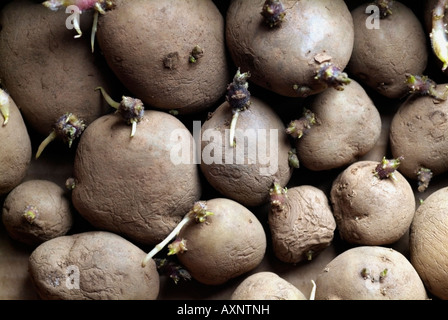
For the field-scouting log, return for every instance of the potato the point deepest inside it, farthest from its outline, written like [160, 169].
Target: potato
[374, 60]
[266, 285]
[36, 211]
[418, 132]
[230, 242]
[245, 172]
[47, 72]
[348, 125]
[373, 204]
[152, 51]
[369, 273]
[16, 148]
[301, 223]
[427, 242]
[321, 30]
[134, 186]
[94, 265]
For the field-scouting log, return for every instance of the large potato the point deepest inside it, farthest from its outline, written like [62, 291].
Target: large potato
[47, 72]
[133, 186]
[369, 273]
[148, 44]
[427, 242]
[94, 265]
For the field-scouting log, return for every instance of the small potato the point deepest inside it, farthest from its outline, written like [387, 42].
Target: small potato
[36, 211]
[94, 265]
[369, 208]
[301, 224]
[229, 243]
[348, 125]
[369, 273]
[427, 242]
[266, 285]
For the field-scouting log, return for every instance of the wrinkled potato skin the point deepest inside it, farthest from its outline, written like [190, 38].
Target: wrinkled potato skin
[379, 66]
[266, 285]
[229, 243]
[275, 61]
[15, 151]
[305, 224]
[418, 132]
[47, 71]
[368, 210]
[245, 183]
[54, 217]
[342, 278]
[348, 125]
[427, 242]
[109, 268]
[130, 185]
[136, 48]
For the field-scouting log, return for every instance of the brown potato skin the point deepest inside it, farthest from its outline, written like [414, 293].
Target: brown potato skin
[348, 125]
[368, 210]
[343, 277]
[304, 226]
[418, 132]
[374, 60]
[47, 71]
[282, 57]
[130, 185]
[54, 217]
[15, 150]
[266, 285]
[427, 242]
[228, 244]
[137, 36]
[109, 268]
[244, 182]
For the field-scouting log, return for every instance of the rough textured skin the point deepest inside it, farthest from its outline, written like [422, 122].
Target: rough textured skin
[266, 285]
[427, 242]
[305, 226]
[108, 266]
[418, 132]
[375, 61]
[54, 217]
[47, 71]
[246, 179]
[289, 55]
[368, 210]
[344, 279]
[148, 45]
[348, 125]
[15, 150]
[130, 185]
[229, 243]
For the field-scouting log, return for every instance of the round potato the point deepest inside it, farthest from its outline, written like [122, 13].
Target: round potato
[347, 126]
[266, 285]
[136, 186]
[16, 148]
[167, 62]
[286, 57]
[369, 273]
[369, 208]
[93, 265]
[36, 211]
[229, 243]
[374, 60]
[427, 242]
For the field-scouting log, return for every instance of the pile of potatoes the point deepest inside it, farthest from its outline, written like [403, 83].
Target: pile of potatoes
[223, 149]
